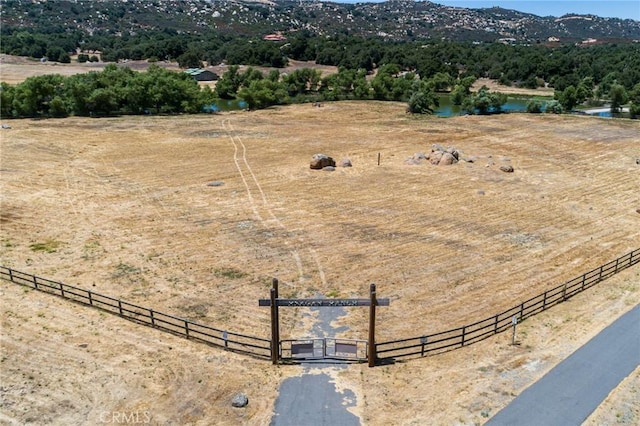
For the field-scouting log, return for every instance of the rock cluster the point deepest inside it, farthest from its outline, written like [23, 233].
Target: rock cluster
[439, 156]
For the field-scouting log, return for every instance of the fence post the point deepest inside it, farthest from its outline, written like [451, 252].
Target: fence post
[616, 270]
[584, 277]
[544, 301]
[274, 325]
[564, 292]
[600, 276]
[423, 340]
[521, 311]
[495, 327]
[275, 283]
[372, 325]
[120, 307]
[35, 282]
[90, 298]
[61, 289]
[10, 274]
[153, 320]
[186, 328]
[464, 330]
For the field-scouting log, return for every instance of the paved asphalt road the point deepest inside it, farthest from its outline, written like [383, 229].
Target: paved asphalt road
[312, 399]
[571, 391]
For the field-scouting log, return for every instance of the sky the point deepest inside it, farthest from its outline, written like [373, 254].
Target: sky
[624, 9]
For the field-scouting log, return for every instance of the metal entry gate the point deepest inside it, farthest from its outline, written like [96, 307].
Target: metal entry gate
[329, 348]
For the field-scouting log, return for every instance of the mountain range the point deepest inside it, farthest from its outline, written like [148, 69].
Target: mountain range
[395, 20]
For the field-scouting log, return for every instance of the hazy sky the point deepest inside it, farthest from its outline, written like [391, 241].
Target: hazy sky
[625, 9]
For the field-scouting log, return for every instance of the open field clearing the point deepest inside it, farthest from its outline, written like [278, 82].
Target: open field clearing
[124, 206]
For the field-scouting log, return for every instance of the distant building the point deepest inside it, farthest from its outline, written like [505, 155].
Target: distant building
[553, 39]
[274, 37]
[199, 74]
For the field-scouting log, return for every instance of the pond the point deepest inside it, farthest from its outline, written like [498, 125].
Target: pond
[226, 105]
[448, 109]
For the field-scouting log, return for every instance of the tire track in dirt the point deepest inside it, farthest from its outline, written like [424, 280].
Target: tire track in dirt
[262, 210]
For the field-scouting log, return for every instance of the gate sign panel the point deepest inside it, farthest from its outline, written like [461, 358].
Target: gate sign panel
[310, 303]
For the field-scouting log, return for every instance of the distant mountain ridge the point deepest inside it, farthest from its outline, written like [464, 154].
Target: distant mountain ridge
[393, 20]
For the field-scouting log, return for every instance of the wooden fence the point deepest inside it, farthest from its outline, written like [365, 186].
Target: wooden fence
[385, 352]
[471, 333]
[235, 342]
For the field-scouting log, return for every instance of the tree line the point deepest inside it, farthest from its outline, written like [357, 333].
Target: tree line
[528, 66]
[115, 90]
[120, 90]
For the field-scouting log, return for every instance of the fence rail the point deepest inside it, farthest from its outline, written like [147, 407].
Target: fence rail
[480, 330]
[385, 351]
[235, 342]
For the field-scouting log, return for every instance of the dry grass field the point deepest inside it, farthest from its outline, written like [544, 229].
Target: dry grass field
[123, 206]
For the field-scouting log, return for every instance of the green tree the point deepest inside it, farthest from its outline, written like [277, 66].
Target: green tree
[568, 98]
[634, 97]
[57, 107]
[442, 81]
[534, 106]
[190, 59]
[263, 93]
[102, 101]
[618, 96]
[228, 85]
[553, 107]
[6, 100]
[423, 102]
[384, 81]
[484, 101]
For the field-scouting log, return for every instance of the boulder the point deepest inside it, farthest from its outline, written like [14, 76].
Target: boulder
[346, 162]
[240, 400]
[451, 150]
[320, 161]
[507, 168]
[419, 156]
[435, 157]
[411, 161]
[447, 159]
[329, 169]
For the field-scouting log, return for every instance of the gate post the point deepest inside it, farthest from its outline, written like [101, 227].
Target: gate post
[372, 326]
[275, 340]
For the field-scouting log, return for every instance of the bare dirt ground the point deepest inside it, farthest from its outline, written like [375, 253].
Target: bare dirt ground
[123, 206]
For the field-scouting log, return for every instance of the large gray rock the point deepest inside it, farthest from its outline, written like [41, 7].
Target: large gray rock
[447, 159]
[320, 161]
[507, 168]
[435, 157]
[240, 400]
